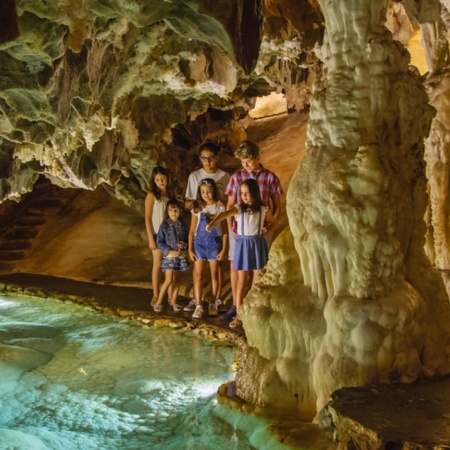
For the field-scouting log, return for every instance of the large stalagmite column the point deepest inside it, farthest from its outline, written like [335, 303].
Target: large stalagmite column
[437, 151]
[349, 297]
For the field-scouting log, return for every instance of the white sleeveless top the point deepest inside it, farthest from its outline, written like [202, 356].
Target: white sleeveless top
[250, 224]
[159, 209]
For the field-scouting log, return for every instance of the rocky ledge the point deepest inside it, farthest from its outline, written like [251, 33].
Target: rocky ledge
[392, 417]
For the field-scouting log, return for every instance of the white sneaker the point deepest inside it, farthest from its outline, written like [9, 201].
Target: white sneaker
[220, 306]
[212, 310]
[198, 313]
[190, 306]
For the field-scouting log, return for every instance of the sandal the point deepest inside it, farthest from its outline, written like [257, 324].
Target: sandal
[236, 323]
[158, 308]
[176, 307]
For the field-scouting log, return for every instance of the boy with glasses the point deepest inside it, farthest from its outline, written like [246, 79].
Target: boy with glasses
[208, 155]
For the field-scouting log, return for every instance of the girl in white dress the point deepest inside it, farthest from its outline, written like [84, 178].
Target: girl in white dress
[251, 253]
[155, 208]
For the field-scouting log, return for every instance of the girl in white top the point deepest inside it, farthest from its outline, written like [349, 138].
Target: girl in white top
[206, 246]
[155, 207]
[251, 253]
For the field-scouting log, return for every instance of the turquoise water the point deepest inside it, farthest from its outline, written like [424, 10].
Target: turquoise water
[72, 378]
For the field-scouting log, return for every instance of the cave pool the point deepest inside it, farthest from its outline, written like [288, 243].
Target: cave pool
[73, 378]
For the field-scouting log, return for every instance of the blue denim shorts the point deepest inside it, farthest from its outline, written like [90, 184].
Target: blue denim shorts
[207, 248]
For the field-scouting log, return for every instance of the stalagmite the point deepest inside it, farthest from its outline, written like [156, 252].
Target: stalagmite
[350, 296]
[437, 148]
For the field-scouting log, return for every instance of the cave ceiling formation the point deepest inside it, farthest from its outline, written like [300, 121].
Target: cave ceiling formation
[98, 92]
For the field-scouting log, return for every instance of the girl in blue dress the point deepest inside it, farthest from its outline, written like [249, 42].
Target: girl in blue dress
[251, 253]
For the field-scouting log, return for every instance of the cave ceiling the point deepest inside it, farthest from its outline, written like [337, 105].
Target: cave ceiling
[99, 91]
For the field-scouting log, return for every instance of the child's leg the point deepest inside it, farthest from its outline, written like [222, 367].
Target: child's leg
[219, 281]
[233, 281]
[156, 273]
[197, 280]
[174, 288]
[169, 275]
[242, 283]
[254, 279]
[214, 268]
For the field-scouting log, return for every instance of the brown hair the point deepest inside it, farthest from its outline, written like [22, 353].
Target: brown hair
[247, 149]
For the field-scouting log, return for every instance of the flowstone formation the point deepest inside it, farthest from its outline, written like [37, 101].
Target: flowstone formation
[350, 297]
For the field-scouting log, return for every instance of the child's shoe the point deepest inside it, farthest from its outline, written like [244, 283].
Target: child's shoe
[190, 306]
[236, 323]
[198, 313]
[229, 314]
[220, 306]
[212, 310]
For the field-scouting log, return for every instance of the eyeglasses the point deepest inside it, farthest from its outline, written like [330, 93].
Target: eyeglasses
[207, 158]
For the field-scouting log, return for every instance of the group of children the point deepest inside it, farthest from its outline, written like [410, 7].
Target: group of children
[207, 240]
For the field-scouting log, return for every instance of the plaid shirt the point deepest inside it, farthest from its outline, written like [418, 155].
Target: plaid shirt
[268, 182]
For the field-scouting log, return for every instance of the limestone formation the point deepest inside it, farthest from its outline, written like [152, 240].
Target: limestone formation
[362, 303]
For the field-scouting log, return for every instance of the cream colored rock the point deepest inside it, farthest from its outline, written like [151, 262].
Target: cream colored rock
[351, 298]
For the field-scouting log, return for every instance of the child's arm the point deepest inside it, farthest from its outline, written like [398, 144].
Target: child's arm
[149, 202]
[230, 205]
[271, 218]
[188, 203]
[221, 255]
[161, 242]
[220, 217]
[192, 230]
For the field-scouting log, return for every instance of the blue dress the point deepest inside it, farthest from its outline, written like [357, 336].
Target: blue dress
[252, 251]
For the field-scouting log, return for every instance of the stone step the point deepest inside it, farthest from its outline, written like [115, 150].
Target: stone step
[15, 244]
[5, 266]
[21, 232]
[11, 255]
[53, 211]
[31, 220]
[45, 203]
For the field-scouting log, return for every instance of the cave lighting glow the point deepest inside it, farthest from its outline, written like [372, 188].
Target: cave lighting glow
[73, 378]
[269, 105]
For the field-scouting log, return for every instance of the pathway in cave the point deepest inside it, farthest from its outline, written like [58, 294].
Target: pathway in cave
[127, 298]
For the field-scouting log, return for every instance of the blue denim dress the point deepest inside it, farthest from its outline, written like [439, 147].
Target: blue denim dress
[169, 234]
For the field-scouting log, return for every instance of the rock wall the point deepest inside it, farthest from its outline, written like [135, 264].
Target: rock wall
[362, 302]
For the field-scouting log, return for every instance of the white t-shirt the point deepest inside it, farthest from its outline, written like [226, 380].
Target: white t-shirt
[211, 211]
[253, 222]
[220, 177]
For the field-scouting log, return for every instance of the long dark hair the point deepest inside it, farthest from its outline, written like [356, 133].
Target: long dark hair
[199, 203]
[158, 170]
[255, 194]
